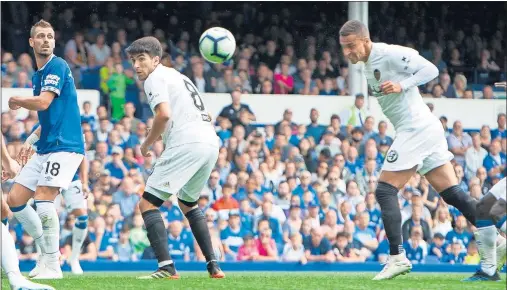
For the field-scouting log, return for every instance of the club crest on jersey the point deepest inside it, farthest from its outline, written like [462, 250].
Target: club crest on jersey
[374, 84]
[392, 156]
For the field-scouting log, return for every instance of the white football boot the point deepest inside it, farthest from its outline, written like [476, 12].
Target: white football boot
[395, 266]
[75, 267]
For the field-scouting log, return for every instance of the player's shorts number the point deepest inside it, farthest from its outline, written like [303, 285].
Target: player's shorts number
[52, 168]
[195, 95]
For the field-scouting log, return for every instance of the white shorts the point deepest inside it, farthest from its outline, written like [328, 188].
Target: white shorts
[52, 169]
[182, 170]
[500, 190]
[426, 148]
[73, 196]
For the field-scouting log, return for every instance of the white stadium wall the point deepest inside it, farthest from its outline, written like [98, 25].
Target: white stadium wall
[269, 108]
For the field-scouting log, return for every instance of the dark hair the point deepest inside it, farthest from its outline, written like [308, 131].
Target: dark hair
[354, 27]
[149, 45]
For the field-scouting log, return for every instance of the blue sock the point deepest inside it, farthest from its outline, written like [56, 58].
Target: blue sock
[81, 222]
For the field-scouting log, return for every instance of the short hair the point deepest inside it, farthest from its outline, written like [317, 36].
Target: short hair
[42, 23]
[354, 27]
[149, 45]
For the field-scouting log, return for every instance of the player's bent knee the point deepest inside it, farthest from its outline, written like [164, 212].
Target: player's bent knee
[189, 204]
[149, 201]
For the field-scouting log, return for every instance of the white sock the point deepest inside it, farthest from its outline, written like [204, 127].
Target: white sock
[32, 224]
[51, 228]
[486, 243]
[10, 262]
[79, 232]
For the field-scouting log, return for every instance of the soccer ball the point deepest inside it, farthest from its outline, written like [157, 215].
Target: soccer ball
[217, 45]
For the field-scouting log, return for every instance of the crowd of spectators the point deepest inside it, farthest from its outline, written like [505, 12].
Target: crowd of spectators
[291, 192]
[285, 192]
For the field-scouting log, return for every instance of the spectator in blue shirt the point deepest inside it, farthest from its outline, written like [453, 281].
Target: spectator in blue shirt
[232, 236]
[500, 132]
[366, 236]
[304, 186]
[124, 252]
[351, 163]
[138, 137]
[296, 138]
[438, 247]
[373, 211]
[317, 247]
[87, 116]
[459, 233]
[456, 256]
[328, 90]
[246, 215]
[381, 136]
[313, 129]
[170, 212]
[495, 161]
[127, 198]
[415, 246]
[117, 167]
[179, 247]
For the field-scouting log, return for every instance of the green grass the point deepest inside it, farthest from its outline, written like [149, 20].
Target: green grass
[271, 280]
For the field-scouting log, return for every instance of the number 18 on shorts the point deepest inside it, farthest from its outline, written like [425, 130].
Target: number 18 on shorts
[52, 169]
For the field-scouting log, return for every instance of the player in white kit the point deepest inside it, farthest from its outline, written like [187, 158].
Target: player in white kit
[190, 153]
[393, 73]
[10, 261]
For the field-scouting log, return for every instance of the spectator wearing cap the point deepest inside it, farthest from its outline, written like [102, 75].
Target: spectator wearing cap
[116, 166]
[495, 161]
[356, 114]
[381, 137]
[459, 142]
[232, 111]
[248, 251]
[500, 132]
[317, 247]
[416, 220]
[226, 202]
[232, 236]
[415, 247]
[330, 142]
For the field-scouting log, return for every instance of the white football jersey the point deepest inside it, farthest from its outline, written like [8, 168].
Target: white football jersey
[189, 122]
[406, 110]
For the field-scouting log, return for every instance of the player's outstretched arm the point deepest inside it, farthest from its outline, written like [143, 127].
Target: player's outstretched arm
[35, 103]
[404, 59]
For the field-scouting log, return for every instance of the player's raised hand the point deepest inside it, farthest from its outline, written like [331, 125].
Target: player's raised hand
[145, 151]
[389, 87]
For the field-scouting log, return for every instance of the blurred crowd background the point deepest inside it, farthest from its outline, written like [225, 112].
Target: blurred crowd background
[280, 189]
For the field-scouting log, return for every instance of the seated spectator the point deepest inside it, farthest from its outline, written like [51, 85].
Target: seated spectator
[342, 81]
[248, 251]
[438, 246]
[179, 247]
[294, 251]
[232, 111]
[26, 248]
[226, 202]
[500, 132]
[363, 234]
[232, 236]
[293, 223]
[474, 156]
[445, 82]
[124, 252]
[495, 161]
[416, 247]
[416, 220]
[330, 142]
[126, 197]
[442, 223]
[459, 142]
[456, 255]
[266, 246]
[327, 89]
[138, 237]
[343, 250]
[381, 137]
[459, 234]
[88, 250]
[170, 212]
[472, 257]
[437, 91]
[318, 248]
[283, 82]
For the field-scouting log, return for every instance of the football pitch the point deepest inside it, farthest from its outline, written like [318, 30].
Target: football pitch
[268, 280]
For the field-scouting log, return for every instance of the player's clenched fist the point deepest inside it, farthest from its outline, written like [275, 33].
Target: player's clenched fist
[390, 88]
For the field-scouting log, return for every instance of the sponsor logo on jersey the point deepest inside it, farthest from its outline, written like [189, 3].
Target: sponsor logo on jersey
[51, 80]
[392, 156]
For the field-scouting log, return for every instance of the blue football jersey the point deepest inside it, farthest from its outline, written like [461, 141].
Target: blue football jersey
[61, 121]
